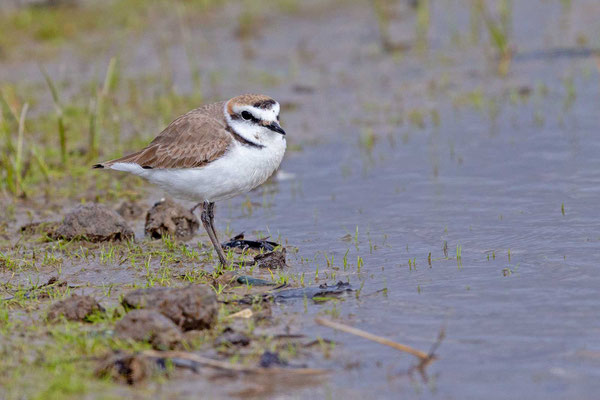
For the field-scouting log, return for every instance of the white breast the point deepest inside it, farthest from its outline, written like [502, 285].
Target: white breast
[239, 170]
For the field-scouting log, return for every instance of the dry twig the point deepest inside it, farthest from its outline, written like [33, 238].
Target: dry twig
[424, 358]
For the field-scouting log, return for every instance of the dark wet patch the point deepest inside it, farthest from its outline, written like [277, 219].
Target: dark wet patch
[93, 222]
[321, 291]
[284, 293]
[271, 359]
[232, 338]
[149, 326]
[249, 280]
[557, 53]
[125, 368]
[170, 218]
[74, 308]
[191, 307]
[238, 242]
[271, 260]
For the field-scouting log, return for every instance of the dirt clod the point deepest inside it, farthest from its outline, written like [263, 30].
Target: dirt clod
[191, 307]
[271, 359]
[149, 326]
[93, 222]
[232, 338]
[168, 217]
[130, 210]
[126, 368]
[271, 260]
[74, 308]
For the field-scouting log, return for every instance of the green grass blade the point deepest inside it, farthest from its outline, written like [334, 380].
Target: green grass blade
[62, 135]
[20, 138]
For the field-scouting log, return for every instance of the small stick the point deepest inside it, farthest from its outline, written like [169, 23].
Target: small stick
[209, 362]
[381, 340]
[245, 313]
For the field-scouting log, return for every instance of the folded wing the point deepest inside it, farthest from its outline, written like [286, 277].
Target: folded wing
[191, 141]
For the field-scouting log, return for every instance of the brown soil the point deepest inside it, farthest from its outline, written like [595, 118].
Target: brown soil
[271, 260]
[192, 307]
[93, 222]
[149, 326]
[126, 368]
[232, 338]
[168, 217]
[74, 308]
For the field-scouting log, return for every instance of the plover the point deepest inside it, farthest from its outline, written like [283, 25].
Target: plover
[212, 153]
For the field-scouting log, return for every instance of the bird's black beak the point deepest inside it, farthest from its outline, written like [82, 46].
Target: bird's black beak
[274, 126]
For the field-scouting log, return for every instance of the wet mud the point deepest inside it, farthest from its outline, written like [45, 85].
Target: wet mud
[149, 326]
[92, 222]
[191, 307]
[74, 308]
[170, 218]
[271, 260]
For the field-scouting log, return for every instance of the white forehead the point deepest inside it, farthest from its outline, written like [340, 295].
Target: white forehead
[266, 114]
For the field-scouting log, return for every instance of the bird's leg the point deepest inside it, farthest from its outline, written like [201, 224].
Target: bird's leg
[207, 218]
[211, 215]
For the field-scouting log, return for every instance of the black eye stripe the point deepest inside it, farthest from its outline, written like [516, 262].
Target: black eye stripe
[248, 116]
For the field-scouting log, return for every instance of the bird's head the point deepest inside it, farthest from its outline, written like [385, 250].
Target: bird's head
[255, 118]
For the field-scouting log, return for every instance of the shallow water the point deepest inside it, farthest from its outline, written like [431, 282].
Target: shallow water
[532, 332]
[520, 306]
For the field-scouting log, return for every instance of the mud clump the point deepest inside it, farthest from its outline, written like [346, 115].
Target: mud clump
[231, 338]
[130, 210]
[271, 260]
[270, 359]
[75, 308]
[190, 308]
[93, 222]
[126, 368]
[149, 326]
[169, 218]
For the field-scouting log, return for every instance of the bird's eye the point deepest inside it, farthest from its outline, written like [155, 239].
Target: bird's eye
[246, 115]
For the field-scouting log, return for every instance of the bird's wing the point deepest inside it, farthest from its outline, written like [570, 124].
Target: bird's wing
[192, 140]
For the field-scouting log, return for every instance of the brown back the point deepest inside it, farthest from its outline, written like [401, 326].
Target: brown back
[190, 141]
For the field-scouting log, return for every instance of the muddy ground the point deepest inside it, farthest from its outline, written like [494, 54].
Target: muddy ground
[441, 176]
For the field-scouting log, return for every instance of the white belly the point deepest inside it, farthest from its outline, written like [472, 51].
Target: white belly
[239, 170]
